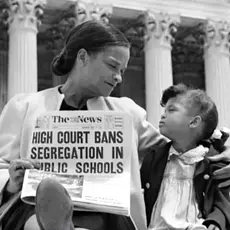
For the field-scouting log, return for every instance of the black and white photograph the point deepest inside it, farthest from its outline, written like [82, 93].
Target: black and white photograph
[152, 74]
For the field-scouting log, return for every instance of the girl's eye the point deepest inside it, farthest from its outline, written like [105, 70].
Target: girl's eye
[113, 66]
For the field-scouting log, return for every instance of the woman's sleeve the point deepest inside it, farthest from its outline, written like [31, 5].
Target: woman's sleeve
[11, 122]
[148, 136]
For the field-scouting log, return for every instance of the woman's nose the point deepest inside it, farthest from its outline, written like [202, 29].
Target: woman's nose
[117, 78]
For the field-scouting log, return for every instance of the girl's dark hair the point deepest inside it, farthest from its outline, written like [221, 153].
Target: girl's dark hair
[196, 99]
[93, 36]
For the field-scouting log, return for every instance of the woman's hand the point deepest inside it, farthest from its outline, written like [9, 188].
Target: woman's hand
[16, 171]
[223, 173]
[213, 227]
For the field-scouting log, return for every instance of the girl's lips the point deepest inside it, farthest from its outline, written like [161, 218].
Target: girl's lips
[108, 83]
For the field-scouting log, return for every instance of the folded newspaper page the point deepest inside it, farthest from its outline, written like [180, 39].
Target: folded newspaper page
[89, 153]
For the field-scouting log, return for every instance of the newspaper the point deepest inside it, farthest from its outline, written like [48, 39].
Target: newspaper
[89, 153]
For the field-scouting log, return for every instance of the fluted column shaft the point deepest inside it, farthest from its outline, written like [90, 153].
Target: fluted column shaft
[22, 68]
[3, 78]
[158, 61]
[22, 62]
[217, 68]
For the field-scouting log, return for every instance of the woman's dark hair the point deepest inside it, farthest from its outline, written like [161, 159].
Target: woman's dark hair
[196, 99]
[93, 36]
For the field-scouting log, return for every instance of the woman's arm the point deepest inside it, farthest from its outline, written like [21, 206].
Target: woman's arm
[219, 140]
[220, 209]
[223, 173]
[148, 136]
[11, 122]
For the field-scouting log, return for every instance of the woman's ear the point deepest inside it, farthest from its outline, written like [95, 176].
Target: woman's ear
[82, 57]
[195, 122]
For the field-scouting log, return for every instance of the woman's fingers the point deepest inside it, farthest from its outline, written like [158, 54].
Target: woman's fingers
[19, 176]
[33, 162]
[224, 184]
[36, 164]
[17, 169]
[21, 164]
[224, 156]
[213, 227]
[223, 173]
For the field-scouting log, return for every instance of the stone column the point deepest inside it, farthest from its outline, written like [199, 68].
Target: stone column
[85, 10]
[217, 67]
[160, 29]
[3, 78]
[23, 19]
[78, 13]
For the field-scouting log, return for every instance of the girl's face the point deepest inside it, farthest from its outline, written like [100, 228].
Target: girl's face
[103, 71]
[176, 119]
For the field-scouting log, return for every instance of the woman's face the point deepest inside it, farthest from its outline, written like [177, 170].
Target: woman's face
[104, 70]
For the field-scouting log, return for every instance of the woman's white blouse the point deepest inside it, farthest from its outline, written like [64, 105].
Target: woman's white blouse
[176, 207]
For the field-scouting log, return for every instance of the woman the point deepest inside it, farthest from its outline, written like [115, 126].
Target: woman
[94, 58]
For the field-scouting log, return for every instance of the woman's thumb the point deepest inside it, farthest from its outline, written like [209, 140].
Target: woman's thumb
[220, 157]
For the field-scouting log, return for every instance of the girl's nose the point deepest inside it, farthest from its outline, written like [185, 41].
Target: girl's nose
[117, 78]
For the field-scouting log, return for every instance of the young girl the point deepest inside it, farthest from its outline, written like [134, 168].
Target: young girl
[179, 190]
